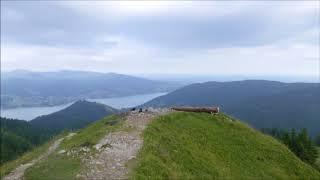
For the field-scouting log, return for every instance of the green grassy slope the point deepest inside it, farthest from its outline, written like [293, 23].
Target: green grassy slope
[18, 136]
[196, 145]
[60, 166]
[7, 167]
[181, 146]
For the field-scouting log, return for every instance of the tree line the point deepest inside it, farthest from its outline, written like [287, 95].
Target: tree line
[298, 141]
[18, 137]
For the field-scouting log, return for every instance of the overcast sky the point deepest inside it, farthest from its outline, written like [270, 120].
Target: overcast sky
[158, 37]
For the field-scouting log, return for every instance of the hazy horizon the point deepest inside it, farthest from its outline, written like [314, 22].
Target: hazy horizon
[193, 78]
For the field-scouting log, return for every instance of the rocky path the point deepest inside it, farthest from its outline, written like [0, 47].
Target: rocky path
[116, 149]
[18, 173]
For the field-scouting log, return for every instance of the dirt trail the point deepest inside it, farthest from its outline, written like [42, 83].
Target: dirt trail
[18, 173]
[118, 148]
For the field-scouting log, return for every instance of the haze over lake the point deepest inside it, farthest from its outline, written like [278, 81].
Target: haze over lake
[29, 113]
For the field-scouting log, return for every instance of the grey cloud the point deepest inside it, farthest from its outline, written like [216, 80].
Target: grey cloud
[51, 36]
[53, 24]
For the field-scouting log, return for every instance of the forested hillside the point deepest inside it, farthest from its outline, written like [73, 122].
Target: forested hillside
[18, 136]
[290, 109]
[76, 116]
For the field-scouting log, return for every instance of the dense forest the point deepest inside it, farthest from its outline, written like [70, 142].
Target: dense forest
[18, 136]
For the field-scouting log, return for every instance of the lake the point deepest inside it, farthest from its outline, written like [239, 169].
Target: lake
[29, 113]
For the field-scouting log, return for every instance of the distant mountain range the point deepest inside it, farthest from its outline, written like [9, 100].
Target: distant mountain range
[18, 136]
[25, 88]
[263, 104]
